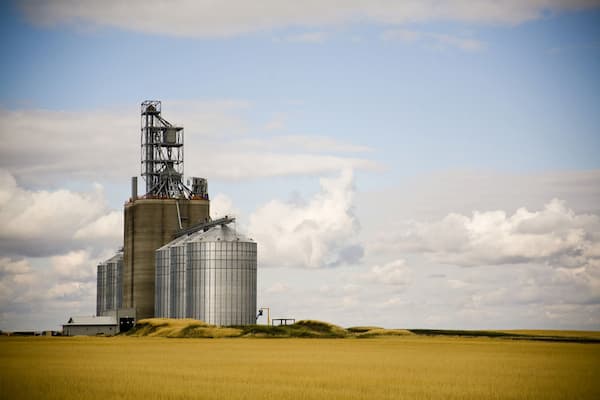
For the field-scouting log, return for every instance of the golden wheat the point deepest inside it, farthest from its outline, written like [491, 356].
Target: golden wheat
[412, 367]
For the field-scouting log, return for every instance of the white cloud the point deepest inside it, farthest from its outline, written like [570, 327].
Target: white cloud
[221, 205]
[93, 145]
[555, 235]
[75, 266]
[317, 234]
[73, 291]
[393, 273]
[37, 223]
[40, 293]
[234, 17]
[14, 276]
[10, 267]
[278, 287]
[73, 145]
[437, 40]
[108, 226]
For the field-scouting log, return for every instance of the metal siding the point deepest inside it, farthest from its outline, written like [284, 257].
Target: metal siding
[119, 283]
[178, 272]
[109, 305]
[163, 283]
[213, 281]
[100, 289]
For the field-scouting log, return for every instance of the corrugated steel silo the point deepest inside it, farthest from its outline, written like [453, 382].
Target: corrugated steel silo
[221, 287]
[109, 284]
[212, 277]
[162, 292]
[100, 289]
[169, 302]
[111, 280]
[114, 273]
[178, 284]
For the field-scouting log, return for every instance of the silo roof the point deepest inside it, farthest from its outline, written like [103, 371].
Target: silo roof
[114, 258]
[174, 242]
[219, 233]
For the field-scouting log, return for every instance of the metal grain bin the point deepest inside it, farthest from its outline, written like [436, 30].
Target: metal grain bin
[178, 281]
[109, 285]
[111, 280]
[208, 275]
[221, 277]
[169, 267]
[162, 292]
[100, 289]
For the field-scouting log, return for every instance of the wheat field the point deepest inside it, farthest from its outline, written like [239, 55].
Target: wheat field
[409, 367]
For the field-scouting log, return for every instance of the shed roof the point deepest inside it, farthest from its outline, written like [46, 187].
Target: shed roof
[92, 320]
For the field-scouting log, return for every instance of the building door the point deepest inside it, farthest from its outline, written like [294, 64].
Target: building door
[125, 324]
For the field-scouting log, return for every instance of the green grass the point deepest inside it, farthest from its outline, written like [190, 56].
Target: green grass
[409, 366]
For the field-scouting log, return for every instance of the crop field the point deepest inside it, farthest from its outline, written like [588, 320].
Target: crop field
[393, 367]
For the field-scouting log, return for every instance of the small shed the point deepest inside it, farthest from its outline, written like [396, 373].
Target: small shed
[90, 326]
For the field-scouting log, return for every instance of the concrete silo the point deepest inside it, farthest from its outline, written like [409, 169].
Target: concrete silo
[219, 276]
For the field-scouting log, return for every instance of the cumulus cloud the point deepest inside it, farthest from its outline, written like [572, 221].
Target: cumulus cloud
[234, 17]
[40, 293]
[70, 291]
[315, 234]
[555, 247]
[90, 145]
[108, 226]
[42, 223]
[75, 266]
[72, 145]
[9, 267]
[555, 235]
[15, 275]
[222, 205]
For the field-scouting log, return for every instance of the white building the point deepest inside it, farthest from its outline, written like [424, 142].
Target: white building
[91, 326]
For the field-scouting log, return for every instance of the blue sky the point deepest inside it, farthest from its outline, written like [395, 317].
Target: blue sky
[452, 109]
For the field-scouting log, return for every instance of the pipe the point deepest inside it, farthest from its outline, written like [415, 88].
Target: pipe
[134, 185]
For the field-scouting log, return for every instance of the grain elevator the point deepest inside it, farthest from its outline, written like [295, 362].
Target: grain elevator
[176, 262]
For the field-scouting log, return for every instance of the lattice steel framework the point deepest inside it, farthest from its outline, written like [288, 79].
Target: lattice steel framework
[162, 154]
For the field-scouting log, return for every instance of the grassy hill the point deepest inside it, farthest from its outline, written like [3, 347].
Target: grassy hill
[190, 328]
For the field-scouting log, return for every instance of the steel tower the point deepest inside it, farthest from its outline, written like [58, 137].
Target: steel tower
[162, 154]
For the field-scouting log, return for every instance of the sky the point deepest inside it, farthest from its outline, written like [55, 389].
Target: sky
[405, 164]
